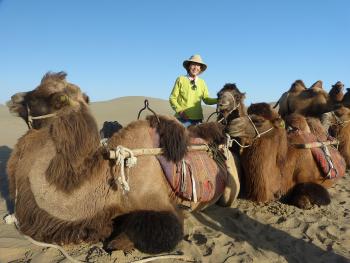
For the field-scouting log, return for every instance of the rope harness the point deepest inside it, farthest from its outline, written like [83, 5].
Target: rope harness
[124, 157]
[30, 118]
[235, 107]
[258, 135]
[338, 121]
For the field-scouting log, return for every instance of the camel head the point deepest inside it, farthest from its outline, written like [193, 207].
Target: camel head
[336, 93]
[229, 99]
[296, 122]
[336, 120]
[53, 96]
[346, 99]
[259, 122]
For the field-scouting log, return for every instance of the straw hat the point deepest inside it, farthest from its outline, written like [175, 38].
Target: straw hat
[195, 59]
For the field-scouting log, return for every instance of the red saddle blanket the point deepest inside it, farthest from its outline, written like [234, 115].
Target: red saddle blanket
[197, 177]
[328, 158]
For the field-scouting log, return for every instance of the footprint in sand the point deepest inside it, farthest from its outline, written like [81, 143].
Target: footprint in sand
[201, 241]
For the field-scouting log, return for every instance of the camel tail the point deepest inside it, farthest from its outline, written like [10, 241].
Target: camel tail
[152, 231]
[305, 195]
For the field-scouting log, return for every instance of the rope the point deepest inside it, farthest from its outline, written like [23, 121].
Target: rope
[122, 159]
[179, 257]
[230, 141]
[11, 219]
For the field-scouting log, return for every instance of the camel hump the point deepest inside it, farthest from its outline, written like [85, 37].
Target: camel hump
[173, 136]
[109, 128]
[297, 86]
[317, 86]
[283, 109]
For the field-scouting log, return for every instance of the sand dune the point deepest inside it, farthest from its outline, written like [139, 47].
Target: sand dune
[245, 232]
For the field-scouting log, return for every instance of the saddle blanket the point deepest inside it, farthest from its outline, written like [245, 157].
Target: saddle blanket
[197, 177]
[328, 158]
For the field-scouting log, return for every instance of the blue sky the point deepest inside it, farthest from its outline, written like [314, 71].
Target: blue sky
[116, 48]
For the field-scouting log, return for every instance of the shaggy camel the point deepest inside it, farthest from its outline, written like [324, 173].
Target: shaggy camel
[309, 102]
[67, 190]
[272, 166]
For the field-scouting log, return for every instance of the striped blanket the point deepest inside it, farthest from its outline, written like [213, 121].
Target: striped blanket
[197, 177]
[331, 163]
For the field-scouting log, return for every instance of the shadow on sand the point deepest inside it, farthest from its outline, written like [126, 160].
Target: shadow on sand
[240, 227]
[4, 192]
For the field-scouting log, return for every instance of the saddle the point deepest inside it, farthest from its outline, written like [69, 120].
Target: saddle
[328, 158]
[197, 178]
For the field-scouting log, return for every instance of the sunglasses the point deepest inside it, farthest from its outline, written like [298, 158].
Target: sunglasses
[193, 83]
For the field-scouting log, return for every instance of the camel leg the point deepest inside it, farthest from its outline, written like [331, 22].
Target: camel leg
[232, 187]
[148, 231]
[305, 195]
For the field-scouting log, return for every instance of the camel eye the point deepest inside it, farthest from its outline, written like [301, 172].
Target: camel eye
[258, 122]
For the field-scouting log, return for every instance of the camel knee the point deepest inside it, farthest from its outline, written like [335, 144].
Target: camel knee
[153, 231]
[305, 195]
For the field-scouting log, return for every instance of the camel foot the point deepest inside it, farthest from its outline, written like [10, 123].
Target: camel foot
[121, 242]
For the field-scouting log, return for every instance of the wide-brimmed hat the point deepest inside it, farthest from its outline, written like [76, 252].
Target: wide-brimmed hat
[195, 59]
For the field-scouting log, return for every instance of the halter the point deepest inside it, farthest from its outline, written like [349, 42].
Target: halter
[233, 109]
[30, 118]
[258, 134]
[338, 121]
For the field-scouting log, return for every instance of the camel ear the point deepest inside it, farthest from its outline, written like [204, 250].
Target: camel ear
[60, 100]
[86, 98]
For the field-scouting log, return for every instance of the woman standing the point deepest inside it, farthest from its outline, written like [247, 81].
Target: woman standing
[189, 91]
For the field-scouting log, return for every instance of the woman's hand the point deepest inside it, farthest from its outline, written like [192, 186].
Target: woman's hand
[183, 115]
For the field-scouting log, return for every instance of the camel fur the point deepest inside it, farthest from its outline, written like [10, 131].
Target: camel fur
[67, 191]
[273, 168]
[309, 102]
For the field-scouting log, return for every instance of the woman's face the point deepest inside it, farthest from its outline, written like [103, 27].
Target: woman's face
[194, 69]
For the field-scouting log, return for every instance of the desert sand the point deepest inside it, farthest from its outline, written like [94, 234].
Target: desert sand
[244, 232]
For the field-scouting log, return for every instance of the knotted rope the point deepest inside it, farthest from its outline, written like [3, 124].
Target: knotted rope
[124, 157]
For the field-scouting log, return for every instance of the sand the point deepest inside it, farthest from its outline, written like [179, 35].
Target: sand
[245, 232]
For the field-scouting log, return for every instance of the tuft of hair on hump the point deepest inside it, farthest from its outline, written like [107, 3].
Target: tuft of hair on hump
[262, 109]
[173, 137]
[318, 85]
[61, 75]
[297, 86]
[211, 132]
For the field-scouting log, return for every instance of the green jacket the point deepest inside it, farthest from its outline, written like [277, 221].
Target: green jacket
[186, 97]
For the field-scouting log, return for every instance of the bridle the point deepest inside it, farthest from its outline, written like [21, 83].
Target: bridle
[30, 118]
[257, 136]
[338, 121]
[235, 107]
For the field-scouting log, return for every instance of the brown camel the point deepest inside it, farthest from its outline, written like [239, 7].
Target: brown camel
[338, 123]
[67, 190]
[230, 103]
[309, 102]
[272, 166]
